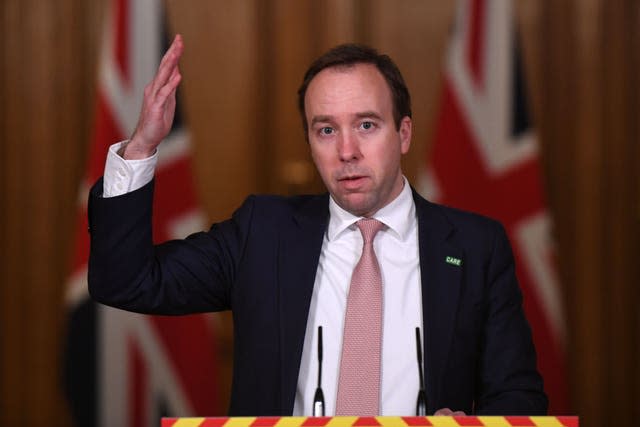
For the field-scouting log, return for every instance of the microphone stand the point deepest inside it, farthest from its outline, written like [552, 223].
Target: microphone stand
[421, 404]
[318, 398]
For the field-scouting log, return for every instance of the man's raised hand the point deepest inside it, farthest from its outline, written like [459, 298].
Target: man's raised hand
[158, 106]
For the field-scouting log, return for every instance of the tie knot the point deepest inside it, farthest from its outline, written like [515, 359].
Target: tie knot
[369, 227]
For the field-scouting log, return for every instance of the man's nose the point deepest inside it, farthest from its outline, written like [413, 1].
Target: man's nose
[348, 147]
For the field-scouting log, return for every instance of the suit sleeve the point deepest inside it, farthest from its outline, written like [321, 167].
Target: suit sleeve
[509, 382]
[127, 271]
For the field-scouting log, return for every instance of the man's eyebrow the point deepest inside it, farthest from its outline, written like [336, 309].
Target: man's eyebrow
[321, 119]
[369, 114]
[360, 115]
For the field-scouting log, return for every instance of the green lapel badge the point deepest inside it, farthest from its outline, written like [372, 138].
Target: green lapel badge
[453, 261]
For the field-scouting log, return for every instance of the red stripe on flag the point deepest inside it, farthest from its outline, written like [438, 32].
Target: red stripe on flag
[105, 133]
[81, 247]
[175, 196]
[188, 343]
[551, 360]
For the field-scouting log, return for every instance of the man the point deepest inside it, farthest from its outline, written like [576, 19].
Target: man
[285, 266]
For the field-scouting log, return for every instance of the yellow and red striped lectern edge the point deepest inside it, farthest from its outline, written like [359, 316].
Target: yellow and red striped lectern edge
[439, 421]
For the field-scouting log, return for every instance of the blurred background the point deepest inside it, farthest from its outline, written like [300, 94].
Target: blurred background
[241, 68]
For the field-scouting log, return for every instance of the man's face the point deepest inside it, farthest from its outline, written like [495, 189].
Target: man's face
[353, 138]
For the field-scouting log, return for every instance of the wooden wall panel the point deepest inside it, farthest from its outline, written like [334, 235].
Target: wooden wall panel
[634, 232]
[47, 83]
[588, 214]
[243, 63]
[12, 342]
[292, 31]
[620, 120]
[220, 92]
[341, 23]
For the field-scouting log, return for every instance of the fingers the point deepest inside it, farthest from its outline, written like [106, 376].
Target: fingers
[158, 106]
[168, 66]
[163, 87]
[169, 89]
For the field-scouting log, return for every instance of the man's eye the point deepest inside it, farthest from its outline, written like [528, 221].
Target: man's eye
[326, 130]
[366, 125]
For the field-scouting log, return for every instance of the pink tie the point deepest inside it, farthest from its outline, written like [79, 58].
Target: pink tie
[359, 382]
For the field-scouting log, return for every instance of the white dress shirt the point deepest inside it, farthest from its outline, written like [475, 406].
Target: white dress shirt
[396, 247]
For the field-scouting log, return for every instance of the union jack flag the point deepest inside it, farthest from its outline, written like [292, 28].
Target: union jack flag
[484, 158]
[124, 369]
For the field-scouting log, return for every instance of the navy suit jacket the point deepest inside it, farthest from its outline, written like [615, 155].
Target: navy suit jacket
[261, 264]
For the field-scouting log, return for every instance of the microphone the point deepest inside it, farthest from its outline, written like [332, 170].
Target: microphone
[318, 398]
[421, 404]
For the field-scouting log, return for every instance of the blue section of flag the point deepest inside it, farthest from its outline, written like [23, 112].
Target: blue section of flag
[520, 121]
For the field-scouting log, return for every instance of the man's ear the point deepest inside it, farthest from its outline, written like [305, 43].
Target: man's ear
[405, 134]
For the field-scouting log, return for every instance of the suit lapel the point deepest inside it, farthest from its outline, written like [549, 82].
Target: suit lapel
[300, 245]
[441, 281]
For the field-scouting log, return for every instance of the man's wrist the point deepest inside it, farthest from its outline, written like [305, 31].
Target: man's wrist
[130, 150]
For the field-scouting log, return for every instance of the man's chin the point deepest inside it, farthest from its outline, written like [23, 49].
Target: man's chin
[356, 204]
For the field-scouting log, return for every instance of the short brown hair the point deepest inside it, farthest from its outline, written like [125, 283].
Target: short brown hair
[347, 55]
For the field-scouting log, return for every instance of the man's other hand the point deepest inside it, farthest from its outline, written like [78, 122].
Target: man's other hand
[448, 412]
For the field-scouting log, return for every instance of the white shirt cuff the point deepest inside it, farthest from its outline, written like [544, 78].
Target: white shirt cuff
[124, 176]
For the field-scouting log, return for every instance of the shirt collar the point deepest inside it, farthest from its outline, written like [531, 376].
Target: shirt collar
[398, 216]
